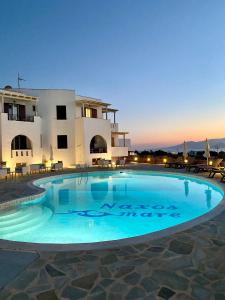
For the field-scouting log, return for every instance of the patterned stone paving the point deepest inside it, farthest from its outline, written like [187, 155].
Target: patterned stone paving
[189, 265]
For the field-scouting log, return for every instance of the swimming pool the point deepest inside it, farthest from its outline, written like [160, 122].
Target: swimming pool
[108, 206]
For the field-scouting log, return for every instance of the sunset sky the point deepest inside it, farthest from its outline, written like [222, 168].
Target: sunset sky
[161, 63]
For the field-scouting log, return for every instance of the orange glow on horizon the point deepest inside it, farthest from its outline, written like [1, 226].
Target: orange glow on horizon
[174, 137]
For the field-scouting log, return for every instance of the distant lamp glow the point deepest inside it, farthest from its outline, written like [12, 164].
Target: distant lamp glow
[148, 159]
[210, 162]
[136, 158]
[186, 161]
[113, 164]
[165, 160]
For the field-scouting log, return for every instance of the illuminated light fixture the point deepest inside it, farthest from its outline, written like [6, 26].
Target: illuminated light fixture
[48, 163]
[148, 159]
[210, 162]
[113, 164]
[164, 160]
[136, 158]
[186, 161]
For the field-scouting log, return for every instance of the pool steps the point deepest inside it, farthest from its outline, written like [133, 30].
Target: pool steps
[24, 221]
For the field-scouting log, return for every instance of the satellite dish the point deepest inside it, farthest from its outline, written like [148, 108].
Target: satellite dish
[8, 87]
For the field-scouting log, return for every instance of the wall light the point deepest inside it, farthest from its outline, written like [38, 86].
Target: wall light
[186, 161]
[148, 159]
[210, 162]
[113, 164]
[164, 160]
[136, 158]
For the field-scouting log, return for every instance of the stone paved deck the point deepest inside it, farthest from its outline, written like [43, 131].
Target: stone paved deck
[185, 266]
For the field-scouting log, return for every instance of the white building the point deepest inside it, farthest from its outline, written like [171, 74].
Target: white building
[43, 125]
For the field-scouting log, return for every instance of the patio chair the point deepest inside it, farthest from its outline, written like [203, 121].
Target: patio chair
[120, 163]
[101, 162]
[22, 169]
[57, 166]
[34, 168]
[3, 173]
[43, 168]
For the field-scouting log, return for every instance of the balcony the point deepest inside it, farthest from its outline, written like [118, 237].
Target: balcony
[119, 151]
[114, 127]
[15, 117]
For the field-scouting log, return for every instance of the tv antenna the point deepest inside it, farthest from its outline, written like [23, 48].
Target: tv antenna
[19, 79]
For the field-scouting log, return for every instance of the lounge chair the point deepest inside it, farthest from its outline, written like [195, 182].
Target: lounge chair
[178, 164]
[214, 171]
[208, 168]
[222, 172]
[170, 164]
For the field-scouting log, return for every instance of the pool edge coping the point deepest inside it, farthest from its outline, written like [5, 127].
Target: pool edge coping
[48, 247]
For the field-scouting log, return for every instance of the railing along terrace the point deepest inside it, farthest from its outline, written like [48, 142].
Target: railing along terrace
[114, 127]
[14, 117]
[21, 152]
[100, 150]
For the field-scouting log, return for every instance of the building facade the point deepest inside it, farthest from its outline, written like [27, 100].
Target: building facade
[50, 125]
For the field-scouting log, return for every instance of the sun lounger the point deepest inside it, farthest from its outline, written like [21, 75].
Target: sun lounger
[215, 171]
[180, 164]
[169, 164]
[207, 168]
[222, 175]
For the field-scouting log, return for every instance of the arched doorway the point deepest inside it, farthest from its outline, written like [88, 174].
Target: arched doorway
[98, 145]
[21, 142]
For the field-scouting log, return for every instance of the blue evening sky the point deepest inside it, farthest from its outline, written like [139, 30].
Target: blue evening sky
[161, 62]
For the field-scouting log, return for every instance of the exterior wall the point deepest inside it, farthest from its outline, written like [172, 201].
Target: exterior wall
[45, 128]
[88, 128]
[10, 129]
[51, 127]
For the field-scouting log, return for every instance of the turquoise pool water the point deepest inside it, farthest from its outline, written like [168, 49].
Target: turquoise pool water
[105, 206]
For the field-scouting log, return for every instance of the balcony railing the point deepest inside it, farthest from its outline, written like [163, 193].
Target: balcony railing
[14, 117]
[114, 127]
[98, 150]
[21, 153]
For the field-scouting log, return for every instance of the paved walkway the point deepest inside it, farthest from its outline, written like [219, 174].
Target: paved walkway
[185, 266]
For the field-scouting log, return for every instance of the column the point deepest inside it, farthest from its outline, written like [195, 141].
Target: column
[2, 104]
[114, 117]
[83, 115]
